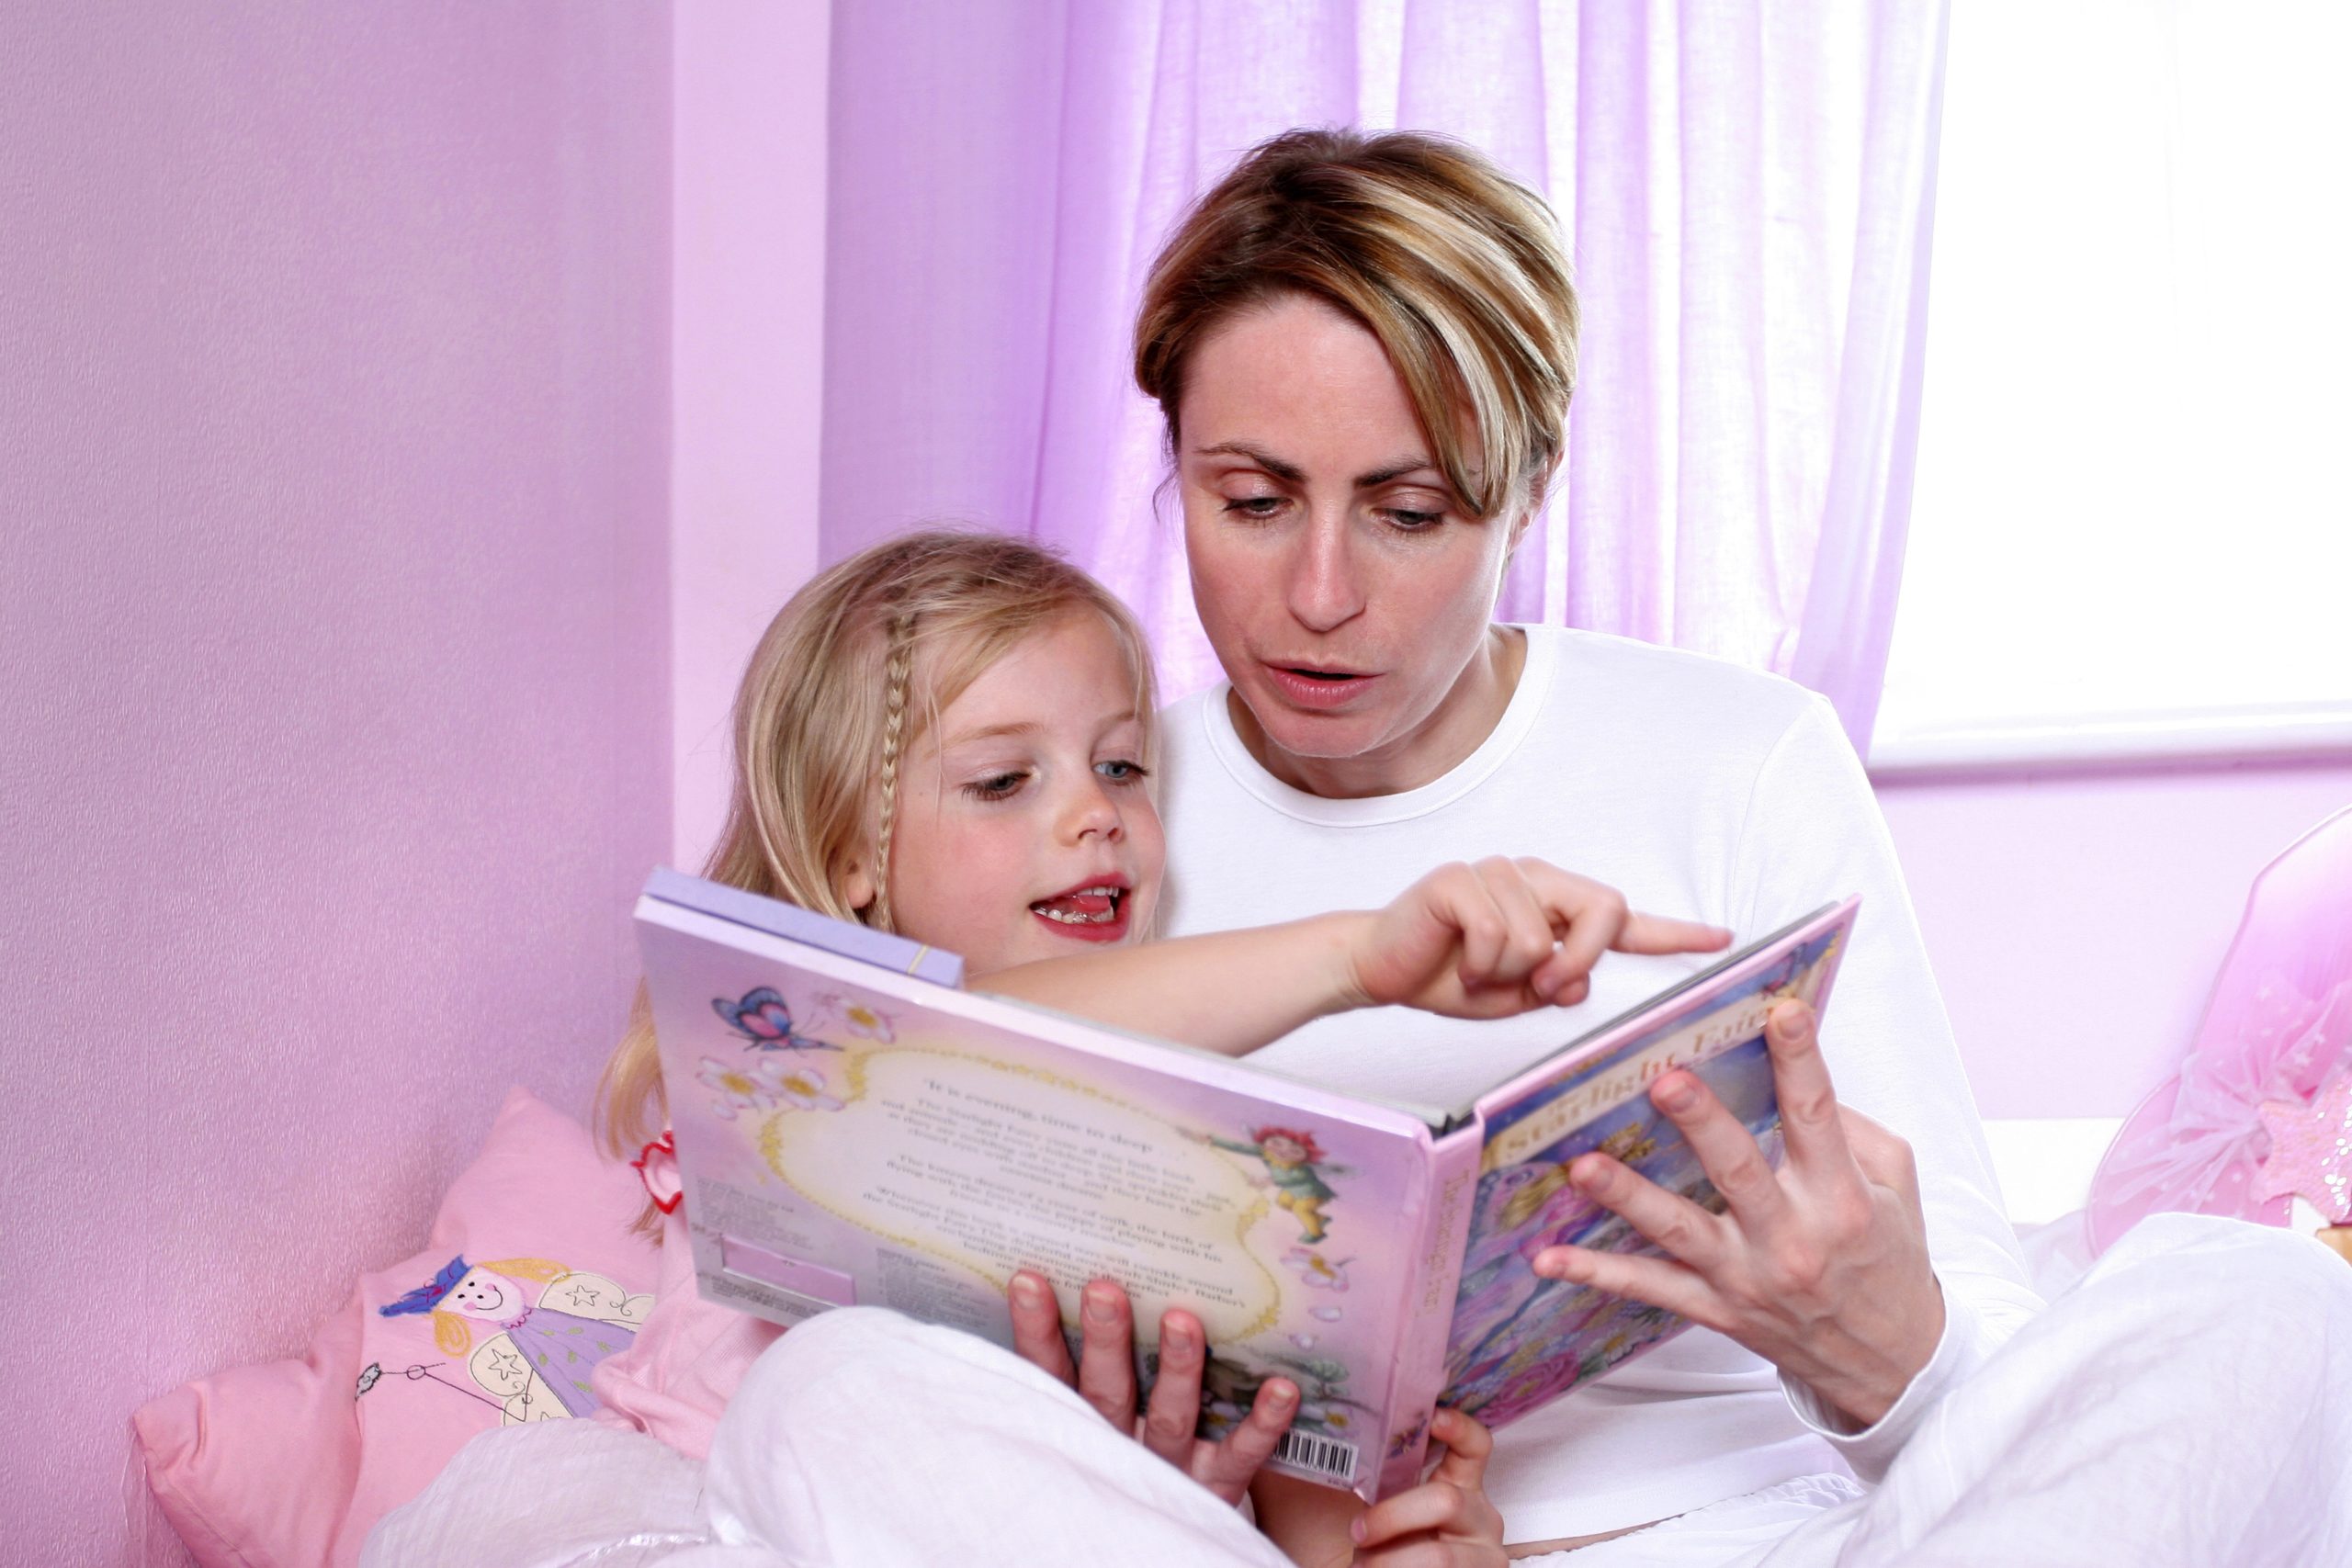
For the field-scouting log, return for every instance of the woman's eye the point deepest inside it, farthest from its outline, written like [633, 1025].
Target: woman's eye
[1254, 506]
[1413, 522]
[1121, 771]
[997, 786]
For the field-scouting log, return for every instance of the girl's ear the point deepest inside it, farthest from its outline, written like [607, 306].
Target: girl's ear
[856, 883]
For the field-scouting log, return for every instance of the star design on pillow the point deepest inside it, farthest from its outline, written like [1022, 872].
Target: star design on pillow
[2310, 1149]
[506, 1364]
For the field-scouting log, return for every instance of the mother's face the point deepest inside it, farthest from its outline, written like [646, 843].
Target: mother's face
[1345, 592]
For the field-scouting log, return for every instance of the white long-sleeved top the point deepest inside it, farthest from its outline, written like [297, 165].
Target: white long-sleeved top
[1703, 791]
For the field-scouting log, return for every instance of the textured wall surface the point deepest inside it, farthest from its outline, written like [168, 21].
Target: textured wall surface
[747, 366]
[2075, 921]
[334, 427]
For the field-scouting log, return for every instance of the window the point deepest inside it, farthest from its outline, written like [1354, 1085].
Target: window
[2131, 531]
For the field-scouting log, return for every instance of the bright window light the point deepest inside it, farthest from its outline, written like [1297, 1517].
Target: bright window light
[2131, 530]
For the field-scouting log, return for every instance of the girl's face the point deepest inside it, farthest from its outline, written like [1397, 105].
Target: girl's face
[1346, 593]
[1024, 829]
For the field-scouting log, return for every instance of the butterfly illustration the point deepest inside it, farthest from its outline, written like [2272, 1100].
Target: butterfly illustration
[765, 1019]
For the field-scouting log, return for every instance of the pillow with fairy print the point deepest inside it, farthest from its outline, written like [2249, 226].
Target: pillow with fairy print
[532, 1275]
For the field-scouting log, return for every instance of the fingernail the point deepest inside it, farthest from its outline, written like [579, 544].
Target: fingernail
[1285, 1395]
[1178, 1337]
[1587, 1175]
[1025, 1291]
[1676, 1093]
[1098, 1311]
[1355, 1529]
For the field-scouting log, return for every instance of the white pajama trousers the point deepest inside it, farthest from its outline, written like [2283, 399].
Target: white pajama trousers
[2189, 1403]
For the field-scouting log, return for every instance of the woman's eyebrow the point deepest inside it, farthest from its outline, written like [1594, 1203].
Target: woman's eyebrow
[1266, 460]
[1396, 469]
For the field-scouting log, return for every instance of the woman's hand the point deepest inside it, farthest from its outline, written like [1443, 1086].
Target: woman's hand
[1105, 1378]
[1821, 1267]
[1503, 936]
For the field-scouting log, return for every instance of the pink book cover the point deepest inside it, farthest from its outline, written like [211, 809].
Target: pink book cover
[850, 1133]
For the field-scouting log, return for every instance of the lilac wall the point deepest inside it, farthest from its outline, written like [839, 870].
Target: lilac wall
[747, 361]
[332, 659]
[2075, 920]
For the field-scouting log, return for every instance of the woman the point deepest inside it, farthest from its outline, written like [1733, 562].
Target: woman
[1363, 348]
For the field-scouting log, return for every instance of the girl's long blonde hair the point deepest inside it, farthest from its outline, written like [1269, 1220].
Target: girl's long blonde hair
[843, 684]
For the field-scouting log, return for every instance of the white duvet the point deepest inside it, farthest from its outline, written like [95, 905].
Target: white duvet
[2188, 1402]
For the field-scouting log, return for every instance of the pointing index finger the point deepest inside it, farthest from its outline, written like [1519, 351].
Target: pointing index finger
[1656, 933]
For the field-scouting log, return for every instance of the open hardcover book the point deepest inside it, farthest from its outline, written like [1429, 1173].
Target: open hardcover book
[854, 1128]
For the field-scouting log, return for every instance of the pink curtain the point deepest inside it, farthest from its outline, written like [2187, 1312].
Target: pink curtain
[1748, 192]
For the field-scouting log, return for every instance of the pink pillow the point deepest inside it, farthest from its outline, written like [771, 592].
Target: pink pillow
[532, 1276]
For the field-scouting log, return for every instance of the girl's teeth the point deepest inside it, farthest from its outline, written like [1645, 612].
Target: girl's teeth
[1058, 910]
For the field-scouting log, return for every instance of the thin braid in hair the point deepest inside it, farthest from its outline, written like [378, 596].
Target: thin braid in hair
[896, 672]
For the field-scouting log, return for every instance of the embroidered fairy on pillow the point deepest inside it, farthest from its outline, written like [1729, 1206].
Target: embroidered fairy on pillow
[548, 1327]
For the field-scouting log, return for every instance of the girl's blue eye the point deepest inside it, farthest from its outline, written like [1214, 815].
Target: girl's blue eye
[1121, 771]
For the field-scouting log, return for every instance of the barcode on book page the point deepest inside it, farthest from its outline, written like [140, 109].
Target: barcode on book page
[1324, 1455]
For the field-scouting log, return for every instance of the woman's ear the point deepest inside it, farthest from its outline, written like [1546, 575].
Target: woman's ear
[1522, 518]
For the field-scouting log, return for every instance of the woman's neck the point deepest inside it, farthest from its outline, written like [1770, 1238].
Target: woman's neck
[1458, 726]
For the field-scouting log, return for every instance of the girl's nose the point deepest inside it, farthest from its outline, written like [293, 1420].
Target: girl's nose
[1323, 591]
[1091, 811]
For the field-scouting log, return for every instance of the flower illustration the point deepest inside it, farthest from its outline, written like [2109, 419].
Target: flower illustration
[368, 1376]
[1401, 1443]
[1219, 1417]
[755, 1084]
[1319, 1272]
[865, 1022]
[1332, 1418]
[803, 1088]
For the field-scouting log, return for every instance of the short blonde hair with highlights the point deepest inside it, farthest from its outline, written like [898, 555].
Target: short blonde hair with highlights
[1456, 268]
[845, 680]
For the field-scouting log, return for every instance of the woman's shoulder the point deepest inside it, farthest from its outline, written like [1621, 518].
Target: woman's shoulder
[1599, 678]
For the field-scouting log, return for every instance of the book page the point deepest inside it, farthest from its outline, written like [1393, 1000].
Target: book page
[988, 1169]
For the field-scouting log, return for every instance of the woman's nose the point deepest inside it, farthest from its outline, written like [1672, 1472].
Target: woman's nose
[1323, 590]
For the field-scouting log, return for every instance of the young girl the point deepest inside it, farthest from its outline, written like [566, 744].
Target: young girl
[951, 736]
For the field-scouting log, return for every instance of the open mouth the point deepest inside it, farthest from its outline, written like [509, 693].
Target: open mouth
[1096, 911]
[1310, 687]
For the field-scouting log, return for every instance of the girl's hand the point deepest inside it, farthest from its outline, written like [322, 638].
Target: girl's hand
[1821, 1267]
[1446, 1521]
[1503, 937]
[1106, 1380]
